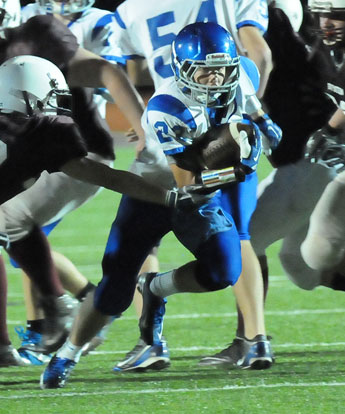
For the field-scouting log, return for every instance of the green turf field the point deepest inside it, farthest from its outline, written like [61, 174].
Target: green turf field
[307, 329]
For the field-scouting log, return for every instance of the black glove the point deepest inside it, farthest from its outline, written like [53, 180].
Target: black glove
[188, 198]
[327, 147]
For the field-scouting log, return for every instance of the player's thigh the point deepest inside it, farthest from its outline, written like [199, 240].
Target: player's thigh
[50, 199]
[324, 245]
[286, 199]
[137, 228]
[294, 265]
[328, 219]
[240, 202]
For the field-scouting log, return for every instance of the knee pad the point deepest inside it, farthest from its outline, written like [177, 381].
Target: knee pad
[299, 273]
[17, 220]
[320, 253]
[217, 276]
[113, 297]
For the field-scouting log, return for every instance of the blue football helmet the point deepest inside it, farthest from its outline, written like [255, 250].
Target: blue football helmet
[64, 7]
[201, 45]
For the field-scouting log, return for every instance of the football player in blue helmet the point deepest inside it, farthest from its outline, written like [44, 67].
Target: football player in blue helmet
[194, 60]
[175, 121]
[64, 7]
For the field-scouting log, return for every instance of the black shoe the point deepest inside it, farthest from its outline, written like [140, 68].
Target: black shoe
[153, 309]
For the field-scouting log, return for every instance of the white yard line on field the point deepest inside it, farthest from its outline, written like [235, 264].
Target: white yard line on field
[295, 312]
[23, 396]
[289, 345]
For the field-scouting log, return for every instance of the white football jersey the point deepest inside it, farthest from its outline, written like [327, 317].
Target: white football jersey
[172, 120]
[147, 29]
[177, 121]
[94, 30]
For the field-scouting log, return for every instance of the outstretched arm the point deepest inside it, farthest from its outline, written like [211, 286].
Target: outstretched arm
[120, 181]
[132, 185]
[89, 70]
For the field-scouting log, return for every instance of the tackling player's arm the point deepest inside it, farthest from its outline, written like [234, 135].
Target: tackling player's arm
[86, 69]
[132, 185]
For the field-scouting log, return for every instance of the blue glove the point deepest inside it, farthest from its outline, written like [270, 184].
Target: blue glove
[250, 148]
[272, 133]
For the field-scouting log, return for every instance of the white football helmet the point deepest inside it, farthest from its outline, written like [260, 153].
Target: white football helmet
[9, 13]
[30, 84]
[64, 7]
[326, 6]
[293, 10]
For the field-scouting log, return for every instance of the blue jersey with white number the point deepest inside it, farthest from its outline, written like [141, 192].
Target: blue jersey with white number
[147, 29]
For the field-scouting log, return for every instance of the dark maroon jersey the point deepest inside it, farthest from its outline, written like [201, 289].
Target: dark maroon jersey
[294, 97]
[42, 36]
[31, 145]
[335, 75]
[46, 37]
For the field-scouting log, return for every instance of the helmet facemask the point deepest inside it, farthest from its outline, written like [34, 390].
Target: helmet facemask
[332, 34]
[65, 7]
[216, 96]
[56, 102]
[32, 85]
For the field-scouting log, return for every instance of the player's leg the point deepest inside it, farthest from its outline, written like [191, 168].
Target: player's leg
[151, 265]
[284, 202]
[240, 202]
[8, 355]
[324, 246]
[293, 264]
[47, 201]
[31, 347]
[33, 255]
[136, 230]
[211, 235]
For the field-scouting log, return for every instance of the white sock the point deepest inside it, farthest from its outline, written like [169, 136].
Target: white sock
[70, 351]
[163, 284]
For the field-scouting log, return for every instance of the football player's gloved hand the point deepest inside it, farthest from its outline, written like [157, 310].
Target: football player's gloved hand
[250, 148]
[272, 133]
[188, 198]
[326, 148]
[4, 241]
